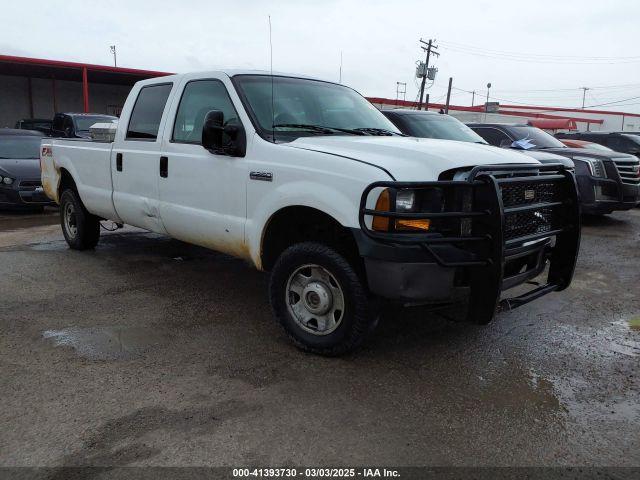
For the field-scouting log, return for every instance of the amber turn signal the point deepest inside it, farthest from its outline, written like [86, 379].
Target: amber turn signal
[383, 204]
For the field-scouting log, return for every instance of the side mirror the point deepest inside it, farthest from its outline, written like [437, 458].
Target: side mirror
[223, 139]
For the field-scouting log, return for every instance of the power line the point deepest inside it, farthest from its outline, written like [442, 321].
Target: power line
[463, 46]
[534, 60]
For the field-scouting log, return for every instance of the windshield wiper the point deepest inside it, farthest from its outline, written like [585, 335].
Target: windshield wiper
[379, 131]
[318, 128]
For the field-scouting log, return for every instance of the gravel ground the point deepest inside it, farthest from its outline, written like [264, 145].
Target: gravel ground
[149, 351]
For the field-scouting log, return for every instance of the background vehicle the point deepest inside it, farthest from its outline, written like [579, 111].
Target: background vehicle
[20, 186]
[423, 124]
[584, 144]
[40, 124]
[308, 180]
[625, 142]
[76, 125]
[608, 181]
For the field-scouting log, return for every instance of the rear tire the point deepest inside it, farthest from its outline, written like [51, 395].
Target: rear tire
[319, 300]
[81, 229]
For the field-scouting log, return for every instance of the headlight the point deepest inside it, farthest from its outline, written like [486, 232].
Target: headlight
[596, 167]
[405, 200]
[6, 180]
[405, 203]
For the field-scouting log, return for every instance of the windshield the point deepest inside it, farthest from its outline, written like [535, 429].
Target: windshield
[301, 106]
[535, 137]
[440, 126]
[85, 122]
[19, 146]
[597, 146]
[635, 138]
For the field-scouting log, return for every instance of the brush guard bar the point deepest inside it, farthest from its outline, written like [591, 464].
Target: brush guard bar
[498, 228]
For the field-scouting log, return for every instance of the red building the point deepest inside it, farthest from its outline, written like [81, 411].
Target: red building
[38, 88]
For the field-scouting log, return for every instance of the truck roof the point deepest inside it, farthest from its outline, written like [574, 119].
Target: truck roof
[230, 72]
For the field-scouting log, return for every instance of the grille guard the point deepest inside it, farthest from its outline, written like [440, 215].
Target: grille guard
[486, 250]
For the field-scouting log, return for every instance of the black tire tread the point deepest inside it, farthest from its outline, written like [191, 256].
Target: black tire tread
[87, 223]
[363, 315]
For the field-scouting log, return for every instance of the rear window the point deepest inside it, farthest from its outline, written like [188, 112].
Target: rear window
[20, 146]
[147, 112]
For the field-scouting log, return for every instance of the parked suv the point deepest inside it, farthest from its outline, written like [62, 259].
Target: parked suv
[626, 142]
[76, 125]
[424, 124]
[607, 181]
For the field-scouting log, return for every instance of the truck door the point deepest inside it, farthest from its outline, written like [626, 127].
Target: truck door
[202, 195]
[134, 162]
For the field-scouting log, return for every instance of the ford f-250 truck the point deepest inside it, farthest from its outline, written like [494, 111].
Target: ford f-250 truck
[306, 179]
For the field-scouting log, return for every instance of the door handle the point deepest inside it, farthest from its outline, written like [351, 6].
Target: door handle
[164, 167]
[119, 162]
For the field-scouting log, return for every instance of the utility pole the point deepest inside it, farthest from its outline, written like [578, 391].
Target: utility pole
[584, 94]
[113, 51]
[340, 77]
[430, 49]
[446, 108]
[473, 97]
[426, 103]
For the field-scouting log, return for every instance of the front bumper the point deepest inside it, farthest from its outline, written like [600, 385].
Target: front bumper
[605, 195]
[502, 246]
[23, 194]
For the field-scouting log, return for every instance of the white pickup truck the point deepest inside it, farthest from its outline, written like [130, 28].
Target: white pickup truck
[306, 179]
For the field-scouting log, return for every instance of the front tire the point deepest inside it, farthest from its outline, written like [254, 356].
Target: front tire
[81, 229]
[319, 300]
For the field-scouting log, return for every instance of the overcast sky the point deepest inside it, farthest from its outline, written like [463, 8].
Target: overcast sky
[537, 52]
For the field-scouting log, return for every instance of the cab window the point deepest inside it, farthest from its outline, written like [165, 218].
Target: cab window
[198, 99]
[147, 112]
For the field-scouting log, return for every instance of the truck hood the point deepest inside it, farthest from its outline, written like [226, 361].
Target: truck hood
[409, 158]
[545, 157]
[585, 152]
[20, 168]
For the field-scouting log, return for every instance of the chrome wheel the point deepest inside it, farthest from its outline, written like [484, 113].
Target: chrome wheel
[70, 224]
[314, 299]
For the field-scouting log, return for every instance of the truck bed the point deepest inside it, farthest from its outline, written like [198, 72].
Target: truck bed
[89, 163]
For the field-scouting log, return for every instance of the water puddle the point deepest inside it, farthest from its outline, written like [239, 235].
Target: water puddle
[107, 342]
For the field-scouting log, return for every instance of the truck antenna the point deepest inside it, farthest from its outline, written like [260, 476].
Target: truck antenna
[273, 112]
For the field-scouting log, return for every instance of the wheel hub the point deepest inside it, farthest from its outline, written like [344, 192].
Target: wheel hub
[317, 298]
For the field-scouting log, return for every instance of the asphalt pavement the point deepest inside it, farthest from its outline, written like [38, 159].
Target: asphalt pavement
[148, 351]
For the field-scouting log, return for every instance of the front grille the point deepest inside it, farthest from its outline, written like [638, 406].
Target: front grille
[30, 184]
[527, 193]
[523, 224]
[628, 170]
[520, 224]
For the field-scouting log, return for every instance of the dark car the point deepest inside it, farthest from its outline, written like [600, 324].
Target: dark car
[39, 124]
[625, 142]
[423, 124]
[76, 125]
[20, 186]
[607, 181]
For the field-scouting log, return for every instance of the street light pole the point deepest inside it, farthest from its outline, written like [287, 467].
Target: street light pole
[113, 51]
[486, 104]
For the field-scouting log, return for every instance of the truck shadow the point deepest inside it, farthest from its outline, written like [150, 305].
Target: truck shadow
[201, 288]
